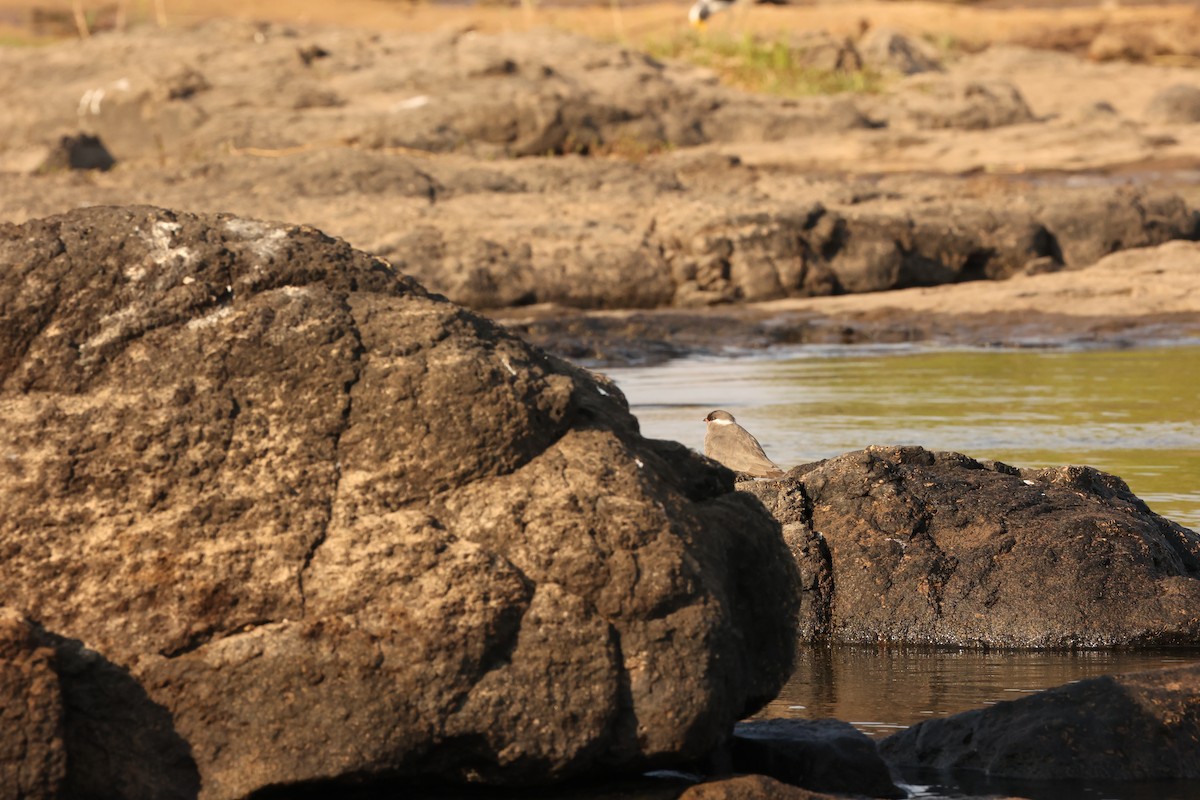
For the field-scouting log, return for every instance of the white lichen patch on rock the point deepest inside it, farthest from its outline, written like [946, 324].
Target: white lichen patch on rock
[159, 239]
[264, 239]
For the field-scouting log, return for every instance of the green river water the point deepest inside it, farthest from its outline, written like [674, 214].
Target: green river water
[1133, 412]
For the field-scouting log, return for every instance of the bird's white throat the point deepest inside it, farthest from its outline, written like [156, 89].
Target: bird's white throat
[721, 421]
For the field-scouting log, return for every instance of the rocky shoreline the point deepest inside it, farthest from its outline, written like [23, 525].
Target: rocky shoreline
[672, 207]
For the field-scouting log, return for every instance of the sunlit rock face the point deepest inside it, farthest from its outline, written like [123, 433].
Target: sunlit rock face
[900, 544]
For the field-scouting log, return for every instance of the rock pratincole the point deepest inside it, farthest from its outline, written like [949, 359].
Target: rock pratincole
[735, 447]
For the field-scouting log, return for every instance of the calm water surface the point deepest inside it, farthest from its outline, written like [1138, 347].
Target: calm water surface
[1135, 413]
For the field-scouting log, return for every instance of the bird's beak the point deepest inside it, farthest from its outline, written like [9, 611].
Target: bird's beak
[698, 24]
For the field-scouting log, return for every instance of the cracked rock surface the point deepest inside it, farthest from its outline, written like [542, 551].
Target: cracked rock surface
[900, 544]
[301, 520]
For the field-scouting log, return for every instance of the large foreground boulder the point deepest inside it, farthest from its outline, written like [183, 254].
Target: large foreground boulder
[1139, 726]
[899, 544]
[283, 516]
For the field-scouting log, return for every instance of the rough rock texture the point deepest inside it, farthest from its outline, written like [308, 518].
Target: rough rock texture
[888, 49]
[899, 544]
[32, 755]
[937, 102]
[1138, 726]
[1139, 295]
[694, 253]
[750, 787]
[825, 755]
[315, 522]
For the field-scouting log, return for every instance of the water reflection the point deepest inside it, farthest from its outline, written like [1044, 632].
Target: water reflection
[883, 689]
[962, 785]
[1130, 412]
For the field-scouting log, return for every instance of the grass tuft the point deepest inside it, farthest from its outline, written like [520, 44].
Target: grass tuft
[772, 66]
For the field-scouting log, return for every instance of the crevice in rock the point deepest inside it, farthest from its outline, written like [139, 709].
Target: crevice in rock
[499, 650]
[347, 388]
[621, 743]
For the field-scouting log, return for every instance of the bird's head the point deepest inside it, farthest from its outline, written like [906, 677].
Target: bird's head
[719, 417]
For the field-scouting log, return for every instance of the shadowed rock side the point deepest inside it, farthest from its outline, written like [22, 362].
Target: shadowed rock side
[1138, 726]
[820, 754]
[899, 544]
[32, 754]
[336, 526]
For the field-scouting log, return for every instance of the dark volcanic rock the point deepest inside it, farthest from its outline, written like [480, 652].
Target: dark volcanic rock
[82, 151]
[899, 544]
[1131, 219]
[825, 755]
[694, 254]
[312, 522]
[1139, 726]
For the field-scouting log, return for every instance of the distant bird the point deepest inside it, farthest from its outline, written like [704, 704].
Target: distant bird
[732, 445]
[703, 10]
[700, 12]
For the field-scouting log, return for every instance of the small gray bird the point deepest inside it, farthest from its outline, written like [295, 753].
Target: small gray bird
[733, 446]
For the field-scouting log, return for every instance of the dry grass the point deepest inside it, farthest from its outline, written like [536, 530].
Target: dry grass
[772, 66]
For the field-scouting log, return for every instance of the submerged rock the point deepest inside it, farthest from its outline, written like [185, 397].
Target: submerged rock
[1139, 726]
[900, 544]
[825, 755]
[311, 522]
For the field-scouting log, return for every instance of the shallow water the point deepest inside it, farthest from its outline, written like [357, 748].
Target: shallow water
[881, 690]
[1133, 412]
